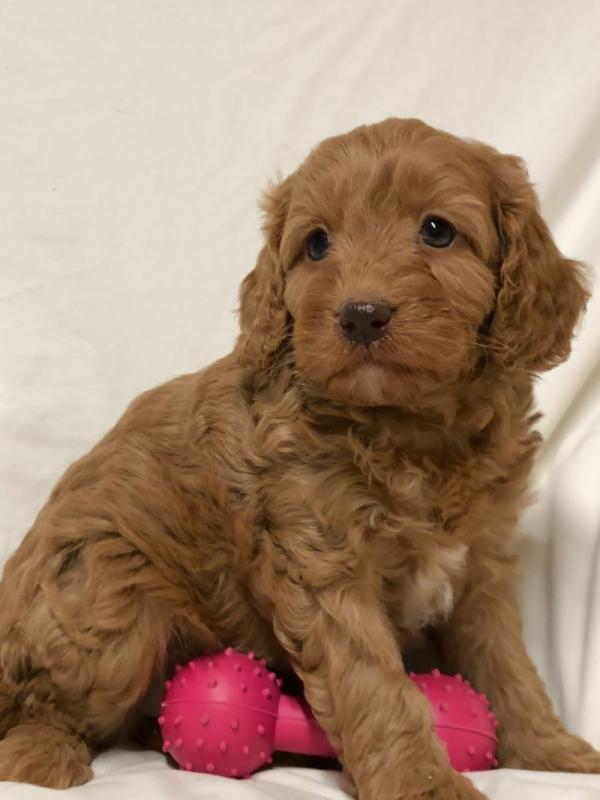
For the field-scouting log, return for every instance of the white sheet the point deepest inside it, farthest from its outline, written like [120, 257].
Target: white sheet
[126, 774]
[134, 137]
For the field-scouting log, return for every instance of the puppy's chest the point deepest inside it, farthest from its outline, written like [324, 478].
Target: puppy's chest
[422, 547]
[404, 527]
[422, 588]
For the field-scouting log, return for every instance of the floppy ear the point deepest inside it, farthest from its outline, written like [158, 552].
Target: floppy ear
[541, 294]
[263, 315]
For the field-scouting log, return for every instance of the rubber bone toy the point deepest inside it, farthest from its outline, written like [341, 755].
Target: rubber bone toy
[225, 714]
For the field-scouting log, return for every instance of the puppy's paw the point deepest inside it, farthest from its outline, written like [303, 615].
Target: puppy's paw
[587, 762]
[43, 755]
[562, 754]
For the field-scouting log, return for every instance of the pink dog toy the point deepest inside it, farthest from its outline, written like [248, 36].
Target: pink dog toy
[463, 720]
[225, 714]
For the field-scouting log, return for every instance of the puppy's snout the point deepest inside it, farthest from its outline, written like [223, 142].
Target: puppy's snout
[363, 321]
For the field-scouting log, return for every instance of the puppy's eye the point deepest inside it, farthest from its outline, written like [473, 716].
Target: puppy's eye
[317, 245]
[437, 232]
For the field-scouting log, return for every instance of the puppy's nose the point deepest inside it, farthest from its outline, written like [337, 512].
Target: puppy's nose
[364, 322]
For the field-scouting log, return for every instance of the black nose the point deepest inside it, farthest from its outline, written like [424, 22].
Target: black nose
[364, 322]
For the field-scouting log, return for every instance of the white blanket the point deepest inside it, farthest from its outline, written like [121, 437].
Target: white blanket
[134, 138]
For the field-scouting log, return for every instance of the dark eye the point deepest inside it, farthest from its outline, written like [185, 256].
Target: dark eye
[437, 232]
[317, 245]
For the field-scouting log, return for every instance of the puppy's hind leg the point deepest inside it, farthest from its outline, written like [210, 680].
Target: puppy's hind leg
[78, 647]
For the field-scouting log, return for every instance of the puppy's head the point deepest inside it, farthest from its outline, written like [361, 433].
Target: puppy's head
[398, 260]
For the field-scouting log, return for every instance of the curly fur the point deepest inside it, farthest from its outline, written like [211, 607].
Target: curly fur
[319, 502]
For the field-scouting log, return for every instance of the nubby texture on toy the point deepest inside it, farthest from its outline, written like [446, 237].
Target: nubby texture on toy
[463, 720]
[225, 714]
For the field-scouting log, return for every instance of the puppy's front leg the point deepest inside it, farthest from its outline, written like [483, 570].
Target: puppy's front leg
[483, 640]
[342, 646]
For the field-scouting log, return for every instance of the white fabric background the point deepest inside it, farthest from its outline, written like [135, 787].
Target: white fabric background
[134, 138]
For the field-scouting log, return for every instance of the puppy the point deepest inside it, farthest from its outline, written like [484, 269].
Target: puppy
[351, 475]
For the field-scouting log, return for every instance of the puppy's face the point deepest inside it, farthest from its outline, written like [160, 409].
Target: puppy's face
[388, 253]
[398, 258]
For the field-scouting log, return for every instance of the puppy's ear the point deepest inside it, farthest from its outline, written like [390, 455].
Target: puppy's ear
[541, 294]
[263, 315]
